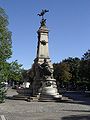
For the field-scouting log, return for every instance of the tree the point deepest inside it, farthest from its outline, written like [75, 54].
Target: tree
[86, 55]
[67, 71]
[85, 69]
[24, 75]
[62, 73]
[15, 71]
[5, 51]
[5, 37]
[74, 64]
[31, 74]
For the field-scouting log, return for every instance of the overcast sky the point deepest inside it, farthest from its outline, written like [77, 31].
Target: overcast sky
[68, 22]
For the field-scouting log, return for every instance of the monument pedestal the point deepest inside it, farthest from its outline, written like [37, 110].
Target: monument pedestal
[49, 91]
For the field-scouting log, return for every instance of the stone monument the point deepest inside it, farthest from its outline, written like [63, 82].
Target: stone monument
[44, 84]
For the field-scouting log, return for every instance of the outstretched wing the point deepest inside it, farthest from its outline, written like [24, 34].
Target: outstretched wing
[43, 12]
[39, 14]
[46, 10]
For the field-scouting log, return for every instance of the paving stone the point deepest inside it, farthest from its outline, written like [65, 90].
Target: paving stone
[23, 110]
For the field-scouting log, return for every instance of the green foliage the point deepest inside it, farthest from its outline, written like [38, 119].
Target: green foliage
[85, 69]
[5, 37]
[4, 67]
[2, 92]
[15, 71]
[86, 55]
[65, 72]
[4, 73]
[74, 72]
[61, 72]
[5, 51]
[31, 74]
[74, 64]
[24, 75]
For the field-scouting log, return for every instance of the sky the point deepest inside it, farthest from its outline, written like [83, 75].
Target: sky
[68, 22]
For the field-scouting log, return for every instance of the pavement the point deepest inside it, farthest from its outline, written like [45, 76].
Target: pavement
[79, 97]
[23, 110]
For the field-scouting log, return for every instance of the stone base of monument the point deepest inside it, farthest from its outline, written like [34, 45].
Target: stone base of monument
[24, 91]
[41, 99]
[19, 97]
[23, 94]
[49, 98]
[25, 97]
[49, 91]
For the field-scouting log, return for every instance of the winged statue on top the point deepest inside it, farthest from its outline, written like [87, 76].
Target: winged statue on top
[43, 21]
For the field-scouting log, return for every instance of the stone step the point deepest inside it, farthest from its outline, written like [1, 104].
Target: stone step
[19, 97]
[32, 99]
[66, 99]
[63, 99]
[47, 100]
[42, 99]
[24, 97]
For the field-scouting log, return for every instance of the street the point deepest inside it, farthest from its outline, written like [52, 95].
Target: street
[23, 110]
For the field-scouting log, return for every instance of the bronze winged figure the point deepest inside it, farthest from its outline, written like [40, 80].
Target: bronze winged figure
[43, 12]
